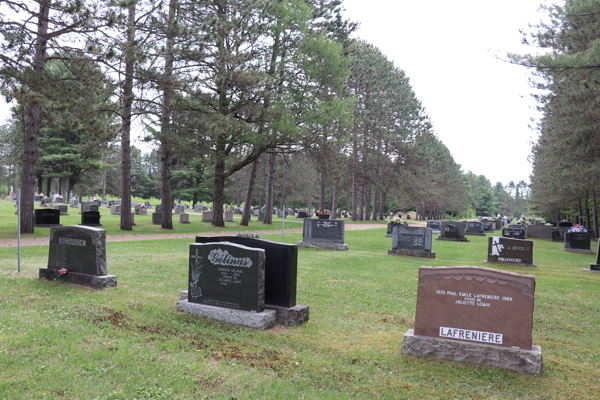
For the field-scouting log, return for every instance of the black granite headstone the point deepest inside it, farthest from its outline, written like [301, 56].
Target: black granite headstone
[577, 240]
[79, 249]
[474, 227]
[451, 231]
[302, 214]
[511, 251]
[47, 217]
[515, 233]
[323, 231]
[227, 275]
[435, 225]
[261, 216]
[281, 267]
[90, 218]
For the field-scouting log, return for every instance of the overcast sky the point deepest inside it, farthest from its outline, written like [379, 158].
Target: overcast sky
[480, 106]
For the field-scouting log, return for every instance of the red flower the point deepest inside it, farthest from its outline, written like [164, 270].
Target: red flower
[63, 271]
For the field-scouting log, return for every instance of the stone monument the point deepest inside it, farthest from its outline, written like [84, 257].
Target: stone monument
[477, 315]
[412, 241]
[323, 234]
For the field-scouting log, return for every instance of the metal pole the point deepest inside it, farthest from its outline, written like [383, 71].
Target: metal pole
[18, 232]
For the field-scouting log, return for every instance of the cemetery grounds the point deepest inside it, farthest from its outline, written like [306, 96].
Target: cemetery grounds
[60, 341]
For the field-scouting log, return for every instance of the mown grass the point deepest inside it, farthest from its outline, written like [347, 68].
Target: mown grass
[59, 341]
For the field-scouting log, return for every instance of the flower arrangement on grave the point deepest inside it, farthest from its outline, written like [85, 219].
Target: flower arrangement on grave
[578, 228]
[396, 220]
[324, 212]
[248, 235]
[63, 271]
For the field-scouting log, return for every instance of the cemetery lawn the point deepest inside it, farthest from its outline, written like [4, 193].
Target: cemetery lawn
[60, 341]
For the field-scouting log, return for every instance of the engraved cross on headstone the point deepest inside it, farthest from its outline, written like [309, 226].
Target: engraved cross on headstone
[195, 290]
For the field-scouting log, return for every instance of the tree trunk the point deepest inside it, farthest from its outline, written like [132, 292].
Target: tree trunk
[375, 197]
[125, 134]
[248, 203]
[32, 128]
[586, 205]
[367, 202]
[40, 184]
[322, 192]
[166, 152]
[382, 206]
[270, 181]
[48, 186]
[354, 178]
[333, 202]
[219, 189]
[361, 209]
[594, 213]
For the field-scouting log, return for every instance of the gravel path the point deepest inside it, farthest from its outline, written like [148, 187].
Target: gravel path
[43, 241]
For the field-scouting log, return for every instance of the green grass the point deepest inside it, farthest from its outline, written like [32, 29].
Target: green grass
[59, 341]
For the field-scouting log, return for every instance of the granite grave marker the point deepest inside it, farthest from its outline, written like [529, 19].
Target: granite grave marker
[504, 250]
[412, 241]
[323, 234]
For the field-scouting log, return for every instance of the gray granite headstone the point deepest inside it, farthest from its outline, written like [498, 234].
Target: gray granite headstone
[411, 238]
[227, 275]
[323, 231]
[474, 227]
[453, 230]
[207, 216]
[79, 249]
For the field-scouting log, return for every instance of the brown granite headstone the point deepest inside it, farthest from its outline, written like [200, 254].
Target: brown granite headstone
[476, 305]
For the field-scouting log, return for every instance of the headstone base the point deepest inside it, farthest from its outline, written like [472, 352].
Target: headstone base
[591, 269]
[187, 222]
[581, 251]
[388, 235]
[452, 240]
[262, 320]
[510, 263]
[475, 234]
[45, 225]
[324, 246]
[595, 267]
[93, 281]
[90, 224]
[524, 361]
[412, 253]
[291, 316]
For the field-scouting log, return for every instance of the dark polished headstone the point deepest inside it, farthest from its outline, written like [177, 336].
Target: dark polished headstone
[510, 251]
[281, 267]
[474, 227]
[453, 231]
[515, 233]
[435, 225]
[323, 231]
[578, 242]
[157, 218]
[90, 218]
[227, 275]
[302, 214]
[46, 217]
[541, 231]
[79, 249]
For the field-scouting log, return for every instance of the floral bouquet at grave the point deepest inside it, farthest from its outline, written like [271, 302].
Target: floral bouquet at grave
[324, 212]
[578, 228]
[396, 220]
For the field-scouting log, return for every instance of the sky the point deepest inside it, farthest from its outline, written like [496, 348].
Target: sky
[481, 107]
